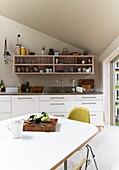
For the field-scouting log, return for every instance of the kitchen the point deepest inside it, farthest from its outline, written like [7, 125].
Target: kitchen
[34, 40]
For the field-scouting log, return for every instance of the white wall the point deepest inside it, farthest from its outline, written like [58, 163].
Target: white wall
[34, 40]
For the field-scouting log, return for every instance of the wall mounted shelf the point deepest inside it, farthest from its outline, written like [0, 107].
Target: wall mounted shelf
[51, 64]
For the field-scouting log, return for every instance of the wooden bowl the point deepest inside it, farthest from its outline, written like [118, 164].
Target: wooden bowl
[37, 89]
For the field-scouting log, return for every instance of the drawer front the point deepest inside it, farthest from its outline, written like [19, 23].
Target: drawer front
[56, 106]
[5, 98]
[57, 97]
[4, 116]
[91, 105]
[5, 107]
[24, 104]
[63, 115]
[89, 97]
[96, 118]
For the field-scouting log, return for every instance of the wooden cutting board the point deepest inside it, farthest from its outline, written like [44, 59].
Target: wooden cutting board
[86, 82]
[50, 126]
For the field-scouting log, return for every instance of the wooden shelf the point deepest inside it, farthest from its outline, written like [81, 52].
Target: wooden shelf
[73, 64]
[33, 64]
[53, 64]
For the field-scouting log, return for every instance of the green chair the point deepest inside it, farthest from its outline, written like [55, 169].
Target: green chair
[80, 114]
[83, 115]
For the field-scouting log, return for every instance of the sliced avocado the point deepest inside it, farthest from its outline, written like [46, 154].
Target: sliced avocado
[45, 119]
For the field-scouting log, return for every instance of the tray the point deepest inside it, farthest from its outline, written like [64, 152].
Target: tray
[50, 126]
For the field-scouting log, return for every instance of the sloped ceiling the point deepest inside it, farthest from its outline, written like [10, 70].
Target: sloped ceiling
[88, 24]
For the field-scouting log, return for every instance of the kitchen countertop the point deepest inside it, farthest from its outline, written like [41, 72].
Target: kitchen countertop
[49, 93]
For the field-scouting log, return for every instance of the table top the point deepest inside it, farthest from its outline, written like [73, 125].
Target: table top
[42, 150]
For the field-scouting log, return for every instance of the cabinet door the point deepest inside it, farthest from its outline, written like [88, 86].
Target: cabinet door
[89, 97]
[5, 98]
[91, 105]
[57, 106]
[63, 115]
[5, 107]
[96, 118]
[24, 104]
[4, 116]
[57, 97]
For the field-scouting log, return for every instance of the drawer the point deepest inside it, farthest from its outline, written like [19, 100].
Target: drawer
[96, 118]
[4, 116]
[89, 97]
[5, 107]
[64, 115]
[24, 104]
[57, 97]
[56, 106]
[91, 105]
[5, 98]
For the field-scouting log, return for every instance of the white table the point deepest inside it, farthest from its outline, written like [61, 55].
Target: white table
[43, 150]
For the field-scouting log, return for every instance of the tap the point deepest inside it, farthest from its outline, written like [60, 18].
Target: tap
[73, 86]
[61, 85]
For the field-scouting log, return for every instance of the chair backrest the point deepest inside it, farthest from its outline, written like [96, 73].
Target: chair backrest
[80, 114]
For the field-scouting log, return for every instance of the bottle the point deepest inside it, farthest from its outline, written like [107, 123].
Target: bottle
[51, 51]
[2, 86]
[18, 46]
[56, 61]
[19, 87]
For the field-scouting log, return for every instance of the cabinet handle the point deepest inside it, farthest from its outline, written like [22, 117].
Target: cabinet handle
[93, 115]
[56, 103]
[88, 97]
[25, 98]
[59, 115]
[56, 97]
[88, 103]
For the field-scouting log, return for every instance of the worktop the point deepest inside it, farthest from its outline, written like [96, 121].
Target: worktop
[49, 93]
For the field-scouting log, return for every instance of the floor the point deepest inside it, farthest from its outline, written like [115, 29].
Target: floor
[106, 148]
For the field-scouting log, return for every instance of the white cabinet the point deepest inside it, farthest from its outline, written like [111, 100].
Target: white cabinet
[24, 104]
[94, 104]
[57, 105]
[5, 107]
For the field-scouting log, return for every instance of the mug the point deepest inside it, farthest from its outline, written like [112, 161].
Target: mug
[79, 89]
[87, 70]
[16, 127]
[79, 69]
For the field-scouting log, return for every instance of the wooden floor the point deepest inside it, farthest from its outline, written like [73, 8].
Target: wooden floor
[106, 148]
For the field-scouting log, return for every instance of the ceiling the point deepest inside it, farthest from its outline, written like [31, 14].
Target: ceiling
[88, 24]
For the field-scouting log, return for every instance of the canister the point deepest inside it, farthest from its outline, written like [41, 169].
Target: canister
[27, 52]
[23, 51]
[18, 49]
